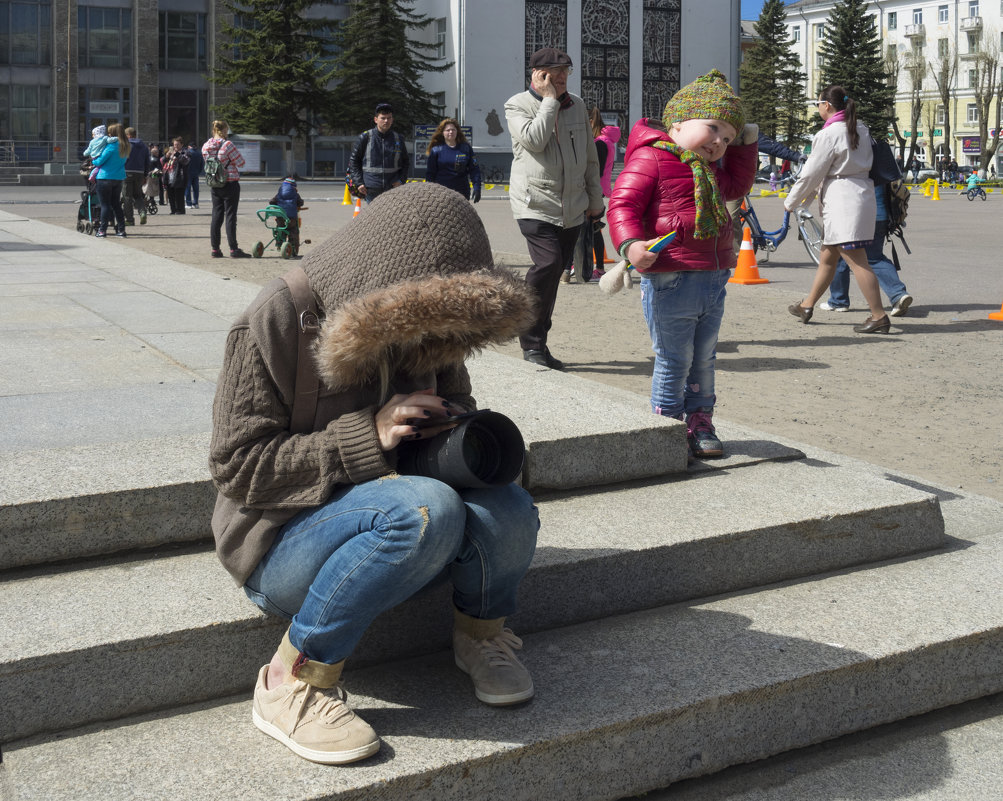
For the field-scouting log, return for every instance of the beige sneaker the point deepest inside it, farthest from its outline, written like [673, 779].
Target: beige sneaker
[314, 723]
[499, 677]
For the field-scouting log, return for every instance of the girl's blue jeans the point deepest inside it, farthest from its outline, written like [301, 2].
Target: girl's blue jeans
[334, 568]
[683, 310]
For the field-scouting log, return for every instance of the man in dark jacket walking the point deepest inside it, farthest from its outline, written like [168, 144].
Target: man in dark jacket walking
[137, 167]
[379, 159]
[196, 164]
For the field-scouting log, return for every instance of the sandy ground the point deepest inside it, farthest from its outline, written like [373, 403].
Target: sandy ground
[924, 400]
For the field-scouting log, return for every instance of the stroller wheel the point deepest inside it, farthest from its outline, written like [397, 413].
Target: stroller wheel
[151, 208]
[286, 250]
[257, 250]
[88, 229]
[80, 226]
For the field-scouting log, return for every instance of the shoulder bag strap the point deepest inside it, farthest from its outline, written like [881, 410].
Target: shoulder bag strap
[308, 325]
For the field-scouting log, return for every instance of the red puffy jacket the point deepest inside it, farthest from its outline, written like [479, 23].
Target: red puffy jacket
[654, 195]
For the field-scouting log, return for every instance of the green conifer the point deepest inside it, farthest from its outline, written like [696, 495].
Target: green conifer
[379, 63]
[852, 56]
[279, 67]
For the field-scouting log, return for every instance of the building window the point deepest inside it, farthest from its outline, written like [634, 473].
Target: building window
[942, 14]
[606, 58]
[25, 113]
[105, 37]
[973, 8]
[796, 33]
[973, 79]
[184, 113]
[943, 47]
[440, 38]
[661, 38]
[819, 60]
[819, 31]
[941, 118]
[973, 42]
[917, 16]
[439, 103]
[893, 20]
[973, 113]
[26, 32]
[182, 41]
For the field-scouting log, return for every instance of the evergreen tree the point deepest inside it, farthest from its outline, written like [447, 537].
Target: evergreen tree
[278, 67]
[379, 63]
[771, 81]
[851, 52]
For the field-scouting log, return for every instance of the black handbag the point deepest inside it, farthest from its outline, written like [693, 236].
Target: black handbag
[884, 168]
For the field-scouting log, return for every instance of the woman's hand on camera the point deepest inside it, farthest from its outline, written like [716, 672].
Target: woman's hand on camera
[408, 417]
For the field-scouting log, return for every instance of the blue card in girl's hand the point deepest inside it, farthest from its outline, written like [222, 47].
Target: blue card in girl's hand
[662, 242]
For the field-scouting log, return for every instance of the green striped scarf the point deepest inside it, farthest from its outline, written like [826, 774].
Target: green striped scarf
[711, 215]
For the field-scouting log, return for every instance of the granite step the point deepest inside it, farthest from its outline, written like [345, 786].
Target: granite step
[129, 635]
[624, 704]
[94, 498]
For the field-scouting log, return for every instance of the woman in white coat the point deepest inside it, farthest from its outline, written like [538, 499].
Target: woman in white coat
[838, 171]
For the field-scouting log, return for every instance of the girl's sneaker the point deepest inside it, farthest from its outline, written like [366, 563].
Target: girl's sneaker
[826, 306]
[701, 436]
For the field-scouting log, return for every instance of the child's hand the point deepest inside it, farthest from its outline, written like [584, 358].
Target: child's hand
[639, 255]
[749, 135]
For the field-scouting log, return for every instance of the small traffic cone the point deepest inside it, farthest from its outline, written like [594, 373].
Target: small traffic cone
[936, 191]
[347, 201]
[358, 207]
[606, 259]
[747, 271]
[996, 315]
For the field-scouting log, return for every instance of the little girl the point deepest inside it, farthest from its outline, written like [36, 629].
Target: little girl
[677, 177]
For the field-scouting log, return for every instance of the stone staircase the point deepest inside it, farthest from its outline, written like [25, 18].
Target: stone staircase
[677, 621]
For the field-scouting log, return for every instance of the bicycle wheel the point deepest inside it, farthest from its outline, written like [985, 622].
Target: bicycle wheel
[811, 235]
[970, 194]
[982, 194]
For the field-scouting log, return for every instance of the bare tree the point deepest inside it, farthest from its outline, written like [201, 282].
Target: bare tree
[944, 70]
[987, 88]
[917, 69]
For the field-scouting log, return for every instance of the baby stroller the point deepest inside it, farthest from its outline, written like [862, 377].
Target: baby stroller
[89, 211]
[151, 190]
[276, 220]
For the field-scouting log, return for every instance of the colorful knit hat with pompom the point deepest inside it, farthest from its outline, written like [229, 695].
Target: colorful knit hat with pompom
[709, 97]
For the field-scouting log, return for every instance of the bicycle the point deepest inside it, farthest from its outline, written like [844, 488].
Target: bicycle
[809, 231]
[492, 175]
[976, 191]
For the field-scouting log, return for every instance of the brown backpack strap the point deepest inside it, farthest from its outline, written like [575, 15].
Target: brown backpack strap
[308, 325]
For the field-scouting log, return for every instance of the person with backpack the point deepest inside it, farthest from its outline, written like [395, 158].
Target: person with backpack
[838, 170]
[379, 159]
[222, 174]
[884, 270]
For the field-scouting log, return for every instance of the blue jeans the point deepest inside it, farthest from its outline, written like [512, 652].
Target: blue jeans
[683, 310]
[884, 271]
[192, 191]
[334, 568]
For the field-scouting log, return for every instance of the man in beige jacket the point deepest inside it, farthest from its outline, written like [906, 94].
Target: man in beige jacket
[554, 186]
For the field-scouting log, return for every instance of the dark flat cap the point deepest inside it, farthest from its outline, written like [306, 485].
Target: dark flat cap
[549, 57]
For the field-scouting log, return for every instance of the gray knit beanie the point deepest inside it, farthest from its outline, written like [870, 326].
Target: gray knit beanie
[411, 285]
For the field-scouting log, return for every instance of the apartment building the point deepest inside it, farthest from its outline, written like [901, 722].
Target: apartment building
[919, 35]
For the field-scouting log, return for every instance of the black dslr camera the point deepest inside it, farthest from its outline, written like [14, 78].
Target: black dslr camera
[485, 449]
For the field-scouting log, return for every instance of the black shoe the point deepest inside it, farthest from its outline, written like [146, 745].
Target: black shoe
[542, 358]
[239, 254]
[217, 254]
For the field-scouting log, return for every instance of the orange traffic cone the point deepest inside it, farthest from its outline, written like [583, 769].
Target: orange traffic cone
[996, 315]
[358, 207]
[606, 259]
[747, 271]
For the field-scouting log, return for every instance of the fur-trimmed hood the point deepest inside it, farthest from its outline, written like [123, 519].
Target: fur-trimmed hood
[410, 286]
